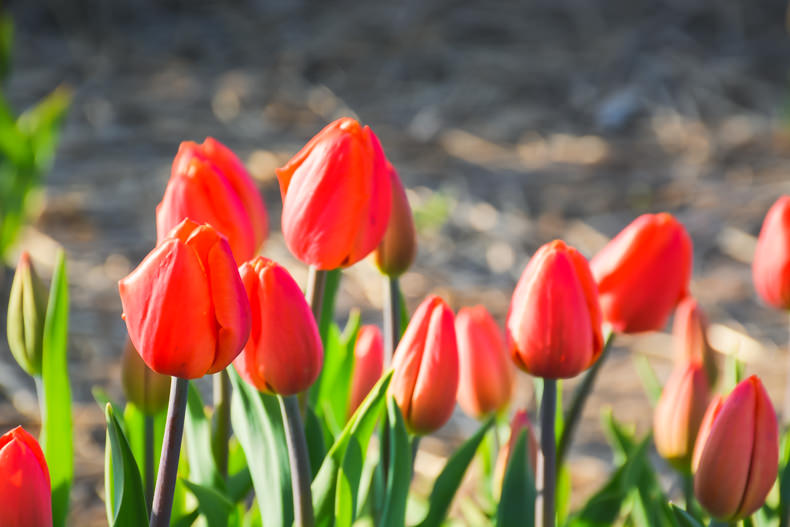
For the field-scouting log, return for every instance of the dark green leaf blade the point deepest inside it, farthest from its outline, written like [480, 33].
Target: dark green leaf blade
[123, 487]
[400, 467]
[517, 504]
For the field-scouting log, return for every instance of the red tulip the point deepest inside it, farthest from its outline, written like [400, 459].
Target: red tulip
[486, 374]
[643, 273]
[208, 184]
[554, 323]
[368, 364]
[397, 249]
[679, 413]
[736, 457]
[336, 196]
[185, 306]
[690, 338]
[771, 265]
[425, 364]
[519, 422]
[284, 354]
[25, 495]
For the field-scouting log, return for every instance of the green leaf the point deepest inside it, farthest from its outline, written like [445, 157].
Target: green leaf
[197, 431]
[400, 468]
[134, 421]
[124, 496]
[56, 422]
[41, 124]
[213, 505]
[257, 423]
[187, 520]
[449, 480]
[517, 504]
[683, 518]
[648, 376]
[331, 287]
[314, 434]
[360, 427]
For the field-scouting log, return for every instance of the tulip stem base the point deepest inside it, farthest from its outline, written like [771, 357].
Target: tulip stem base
[300, 461]
[221, 432]
[171, 450]
[148, 445]
[547, 473]
[316, 281]
[580, 395]
[391, 317]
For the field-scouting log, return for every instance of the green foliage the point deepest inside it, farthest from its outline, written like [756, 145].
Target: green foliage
[399, 470]
[124, 496]
[517, 504]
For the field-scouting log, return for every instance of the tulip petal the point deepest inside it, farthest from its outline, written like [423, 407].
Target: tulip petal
[25, 499]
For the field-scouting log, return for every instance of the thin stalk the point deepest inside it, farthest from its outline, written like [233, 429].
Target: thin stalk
[171, 451]
[786, 413]
[300, 461]
[42, 402]
[415, 447]
[391, 313]
[580, 395]
[221, 432]
[687, 483]
[547, 474]
[315, 291]
[148, 446]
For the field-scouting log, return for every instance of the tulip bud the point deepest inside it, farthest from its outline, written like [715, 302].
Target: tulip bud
[208, 184]
[425, 364]
[336, 196]
[485, 380]
[368, 364]
[554, 322]
[284, 354]
[771, 264]
[27, 310]
[736, 457]
[519, 422]
[643, 273]
[25, 493]
[679, 413]
[397, 249]
[185, 307]
[689, 333]
[148, 390]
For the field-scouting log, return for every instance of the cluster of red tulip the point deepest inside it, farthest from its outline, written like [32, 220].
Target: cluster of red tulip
[304, 399]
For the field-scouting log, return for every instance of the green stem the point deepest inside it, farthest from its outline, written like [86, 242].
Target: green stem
[42, 403]
[171, 450]
[221, 421]
[391, 310]
[415, 447]
[300, 461]
[547, 475]
[148, 446]
[580, 395]
[316, 281]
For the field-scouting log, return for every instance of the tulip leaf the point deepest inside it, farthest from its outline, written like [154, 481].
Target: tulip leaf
[449, 480]
[784, 478]
[187, 520]
[517, 503]
[360, 427]
[399, 472]
[213, 505]
[135, 419]
[314, 434]
[257, 423]
[684, 519]
[56, 421]
[648, 376]
[124, 499]
[197, 431]
[331, 287]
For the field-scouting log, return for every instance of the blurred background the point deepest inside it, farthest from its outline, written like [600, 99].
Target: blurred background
[511, 122]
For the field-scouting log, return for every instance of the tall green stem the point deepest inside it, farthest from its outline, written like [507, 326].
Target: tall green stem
[148, 447]
[580, 395]
[315, 291]
[547, 475]
[391, 310]
[221, 421]
[171, 450]
[300, 461]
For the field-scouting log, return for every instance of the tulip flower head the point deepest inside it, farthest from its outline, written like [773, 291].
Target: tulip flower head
[27, 309]
[368, 364]
[425, 363]
[209, 184]
[336, 196]
[643, 273]
[771, 264]
[554, 322]
[284, 354]
[690, 339]
[185, 307]
[519, 422]
[25, 493]
[486, 373]
[397, 249]
[679, 412]
[736, 456]
[148, 390]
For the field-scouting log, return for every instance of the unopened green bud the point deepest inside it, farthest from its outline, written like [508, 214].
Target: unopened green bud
[27, 310]
[148, 390]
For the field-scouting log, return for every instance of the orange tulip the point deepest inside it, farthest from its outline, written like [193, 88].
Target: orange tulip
[486, 374]
[284, 354]
[679, 413]
[397, 249]
[736, 457]
[519, 422]
[208, 184]
[185, 306]
[771, 264]
[25, 495]
[690, 339]
[368, 364]
[554, 322]
[336, 196]
[643, 273]
[425, 364]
